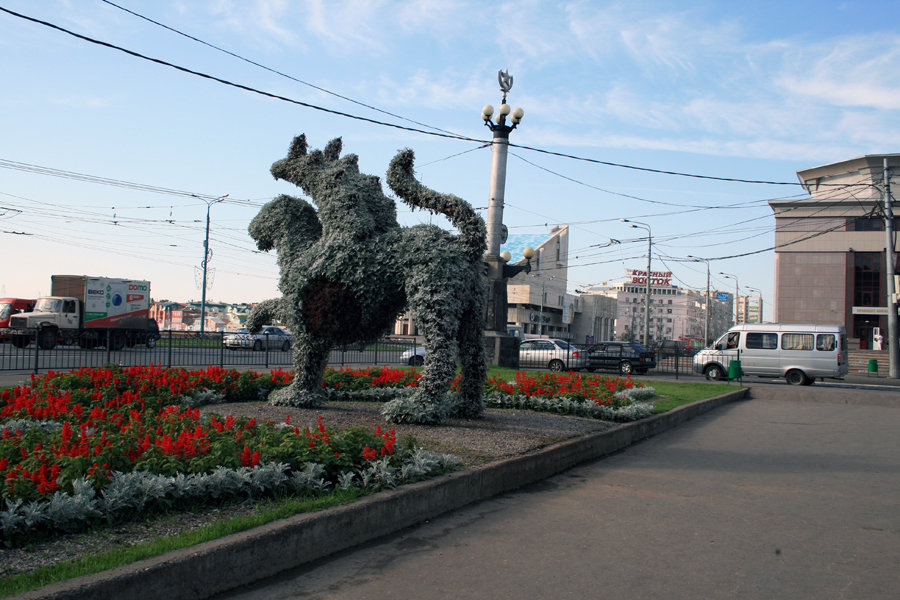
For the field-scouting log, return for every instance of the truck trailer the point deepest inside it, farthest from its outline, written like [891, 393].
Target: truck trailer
[89, 311]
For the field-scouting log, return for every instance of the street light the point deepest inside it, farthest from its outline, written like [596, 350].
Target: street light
[737, 296]
[505, 347]
[499, 151]
[706, 327]
[639, 225]
[209, 204]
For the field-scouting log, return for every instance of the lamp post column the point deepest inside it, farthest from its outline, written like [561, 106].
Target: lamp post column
[706, 327]
[639, 225]
[737, 296]
[504, 351]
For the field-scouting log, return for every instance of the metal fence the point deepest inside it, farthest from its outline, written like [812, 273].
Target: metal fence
[189, 349]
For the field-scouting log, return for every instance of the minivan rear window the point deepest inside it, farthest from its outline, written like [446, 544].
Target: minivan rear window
[762, 341]
[797, 341]
[825, 342]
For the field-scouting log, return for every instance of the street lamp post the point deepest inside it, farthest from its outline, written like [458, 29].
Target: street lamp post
[706, 327]
[209, 204]
[737, 296]
[505, 351]
[639, 225]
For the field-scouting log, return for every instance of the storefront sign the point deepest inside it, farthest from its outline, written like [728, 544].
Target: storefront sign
[656, 277]
[871, 310]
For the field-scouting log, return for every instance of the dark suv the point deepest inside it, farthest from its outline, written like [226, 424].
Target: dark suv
[622, 357]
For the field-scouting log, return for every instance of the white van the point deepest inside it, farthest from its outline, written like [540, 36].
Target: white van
[799, 353]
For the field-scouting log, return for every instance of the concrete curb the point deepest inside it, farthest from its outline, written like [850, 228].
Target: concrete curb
[230, 562]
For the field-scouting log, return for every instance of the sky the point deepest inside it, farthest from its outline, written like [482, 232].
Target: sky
[110, 162]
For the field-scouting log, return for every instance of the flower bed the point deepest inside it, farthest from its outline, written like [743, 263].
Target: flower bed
[103, 444]
[585, 395]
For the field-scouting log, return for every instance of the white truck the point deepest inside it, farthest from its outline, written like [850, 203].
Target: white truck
[89, 311]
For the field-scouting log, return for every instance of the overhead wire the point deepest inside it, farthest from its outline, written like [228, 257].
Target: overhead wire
[24, 166]
[275, 71]
[437, 133]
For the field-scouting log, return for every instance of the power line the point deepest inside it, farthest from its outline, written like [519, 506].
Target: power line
[271, 70]
[240, 86]
[438, 133]
[39, 170]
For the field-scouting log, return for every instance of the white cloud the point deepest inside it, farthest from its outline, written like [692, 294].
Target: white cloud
[860, 71]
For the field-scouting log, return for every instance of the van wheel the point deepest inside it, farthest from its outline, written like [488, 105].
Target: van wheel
[625, 367]
[796, 377]
[714, 372]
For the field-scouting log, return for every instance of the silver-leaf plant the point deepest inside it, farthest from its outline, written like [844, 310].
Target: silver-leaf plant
[348, 269]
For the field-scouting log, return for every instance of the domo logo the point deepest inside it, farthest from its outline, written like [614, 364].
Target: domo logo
[117, 299]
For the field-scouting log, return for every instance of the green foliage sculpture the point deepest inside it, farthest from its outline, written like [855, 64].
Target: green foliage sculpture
[348, 270]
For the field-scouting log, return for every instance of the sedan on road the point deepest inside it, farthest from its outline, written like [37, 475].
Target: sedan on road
[270, 336]
[623, 357]
[556, 355]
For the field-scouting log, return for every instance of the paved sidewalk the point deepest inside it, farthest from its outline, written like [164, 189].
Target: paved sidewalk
[768, 498]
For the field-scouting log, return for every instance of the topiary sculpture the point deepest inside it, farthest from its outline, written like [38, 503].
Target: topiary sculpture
[348, 270]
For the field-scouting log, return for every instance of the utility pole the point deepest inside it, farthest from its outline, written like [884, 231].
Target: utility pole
[893, 350]
[205, 262]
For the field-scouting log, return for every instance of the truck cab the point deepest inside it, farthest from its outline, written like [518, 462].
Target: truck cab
[53, 317]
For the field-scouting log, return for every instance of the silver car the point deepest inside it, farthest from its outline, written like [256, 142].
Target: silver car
[270, 336]
[556, 355]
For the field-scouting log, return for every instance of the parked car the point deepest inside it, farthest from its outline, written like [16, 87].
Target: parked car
[556, 355]
[270, 336]
[622, 357]
[414, 357]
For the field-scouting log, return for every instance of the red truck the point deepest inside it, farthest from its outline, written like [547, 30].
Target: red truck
[9, 307]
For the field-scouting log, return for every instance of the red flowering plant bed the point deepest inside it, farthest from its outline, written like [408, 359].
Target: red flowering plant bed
[589, 395]
[99, 443]
[586, 395]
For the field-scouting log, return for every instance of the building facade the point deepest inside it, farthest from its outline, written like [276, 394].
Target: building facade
[675, 313]
[750, 309]
[537, 301]
[831, 248]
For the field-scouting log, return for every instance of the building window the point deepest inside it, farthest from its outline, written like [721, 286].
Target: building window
[867, 279]
[869, 223]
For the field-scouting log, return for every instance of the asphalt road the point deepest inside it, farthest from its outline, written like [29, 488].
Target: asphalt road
[792, 494]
